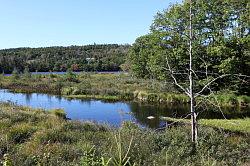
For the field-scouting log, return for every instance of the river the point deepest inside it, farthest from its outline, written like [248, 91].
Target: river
[113, 113]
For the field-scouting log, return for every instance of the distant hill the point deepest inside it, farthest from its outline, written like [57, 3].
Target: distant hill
[101, 57]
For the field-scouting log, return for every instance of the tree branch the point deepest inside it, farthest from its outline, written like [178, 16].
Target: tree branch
[175, 80]
[215, 79]
[209, 83]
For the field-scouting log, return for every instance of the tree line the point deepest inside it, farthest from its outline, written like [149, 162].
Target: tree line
[103, 57]
[220, 44]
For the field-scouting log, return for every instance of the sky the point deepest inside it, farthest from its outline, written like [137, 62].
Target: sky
[42, 23]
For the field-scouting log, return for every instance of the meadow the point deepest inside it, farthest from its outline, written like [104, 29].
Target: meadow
[37, 137]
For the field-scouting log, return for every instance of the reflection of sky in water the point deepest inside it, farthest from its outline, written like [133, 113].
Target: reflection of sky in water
[76, 109]
[112, 113]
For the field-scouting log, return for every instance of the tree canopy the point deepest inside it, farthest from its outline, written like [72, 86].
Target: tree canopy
[106, 57]
[220, 43]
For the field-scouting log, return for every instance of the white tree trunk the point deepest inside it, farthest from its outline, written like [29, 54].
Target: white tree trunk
[191, 94]
[193, 122]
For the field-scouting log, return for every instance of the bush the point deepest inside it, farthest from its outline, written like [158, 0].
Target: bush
[20, 133]
[71, 76]
[59, 113]
[55, 135]
[15, 75]
[67, 91]
[243, 100]
[83, 127]
[27, 73]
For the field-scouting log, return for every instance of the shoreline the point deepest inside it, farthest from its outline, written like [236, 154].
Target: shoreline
[112, 87]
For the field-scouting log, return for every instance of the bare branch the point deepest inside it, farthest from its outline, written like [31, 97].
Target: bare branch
[216, 105]
[175, 73]
[215, 79]
[207, 73]
[206, 66]
[194, 73]
[175, 80]
[209, 83]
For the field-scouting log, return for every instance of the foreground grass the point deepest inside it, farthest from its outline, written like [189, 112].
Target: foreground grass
[35, 137]
[111, 87]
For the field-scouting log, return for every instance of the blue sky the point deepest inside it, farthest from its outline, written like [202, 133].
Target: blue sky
[40, 23]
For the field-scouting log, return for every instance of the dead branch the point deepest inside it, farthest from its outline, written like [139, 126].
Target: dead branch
[175, 80]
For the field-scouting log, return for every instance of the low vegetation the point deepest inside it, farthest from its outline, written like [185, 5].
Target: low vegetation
[36, 137]
[234, 125]
[110, 87]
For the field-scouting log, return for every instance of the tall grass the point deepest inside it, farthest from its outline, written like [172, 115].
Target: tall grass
[35, 137]
[111, 86]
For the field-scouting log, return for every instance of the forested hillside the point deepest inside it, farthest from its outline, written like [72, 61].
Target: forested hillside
[106, 57]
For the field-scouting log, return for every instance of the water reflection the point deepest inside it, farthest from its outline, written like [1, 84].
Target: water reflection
[28, 97]
[113, 113]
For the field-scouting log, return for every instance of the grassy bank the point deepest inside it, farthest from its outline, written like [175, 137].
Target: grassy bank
[35, 137]
[235, 125]
[111, 87]
[232, 125]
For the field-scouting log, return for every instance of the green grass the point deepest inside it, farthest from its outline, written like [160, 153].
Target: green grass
[232, 125]
[37, 137]
[235, 125]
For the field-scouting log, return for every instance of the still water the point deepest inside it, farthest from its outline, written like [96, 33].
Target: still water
[113, 113]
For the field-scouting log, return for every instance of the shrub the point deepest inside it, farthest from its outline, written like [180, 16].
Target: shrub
[15, 74]
[71, 76]
[27, 73]
[67, 91]
[90, 157]
[20, 133]
[83, 127]
[59, 113]
[243, 100]
[55, 135]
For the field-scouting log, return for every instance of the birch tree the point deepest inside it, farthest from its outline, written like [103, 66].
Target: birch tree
[191, 73]
[205, 44]
[188, 91]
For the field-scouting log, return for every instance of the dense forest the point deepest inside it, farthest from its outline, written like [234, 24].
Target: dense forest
[106, 57]
[221, 44]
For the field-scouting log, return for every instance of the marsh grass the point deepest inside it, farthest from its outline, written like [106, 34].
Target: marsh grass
[35, 137]
[236, 125]
[112, 87]
[232, 125]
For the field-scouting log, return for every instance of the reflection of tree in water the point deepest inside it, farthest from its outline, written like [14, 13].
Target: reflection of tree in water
[47, 96]
[229, 112]
[142, 111]
[59, 98]
[28, 97]
[86, 102]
